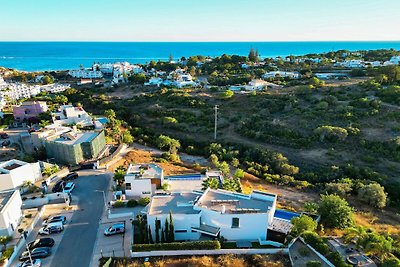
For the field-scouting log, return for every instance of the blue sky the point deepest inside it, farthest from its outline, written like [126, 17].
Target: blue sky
[200, 20]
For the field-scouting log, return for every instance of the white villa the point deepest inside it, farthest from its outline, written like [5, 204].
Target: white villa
[142, 180]
[395, 60]
[282, 74]
[10, 212]
[13, 173]
[86, 74]
[68, 115]
[214, 213]
[258, 84]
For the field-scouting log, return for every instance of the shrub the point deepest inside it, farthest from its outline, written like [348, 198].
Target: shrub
[304, 252]
[314, 264]
[28, 215]
[337, 260]
[131, 203]
[144, 201]
[314, 240]
[194, 245]
[7, 253]
[373, 194]
[335, 212]
[119, 204]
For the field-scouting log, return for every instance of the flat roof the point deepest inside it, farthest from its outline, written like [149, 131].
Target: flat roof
[230, 202]
[78, 138]
[7, 166]
[4, 198]
[177, 203]
[144, 171]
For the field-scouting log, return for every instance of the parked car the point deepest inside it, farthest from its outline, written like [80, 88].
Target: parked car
[69, 187]
[55, 219]
[4, 135]
[117, 228]
[71, 176]
[35, 263]
[42, 242]
[88, 166]
[35, 254]
[51, 229]
[6, 143]
[58, 187]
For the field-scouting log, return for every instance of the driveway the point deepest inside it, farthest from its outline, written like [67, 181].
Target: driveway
[78, 241]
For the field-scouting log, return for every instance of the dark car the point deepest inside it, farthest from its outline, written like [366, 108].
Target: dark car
[54, 219]
[88, 166]
[4, 135]
[71, 176]
[46, 242]
[6, 143]
[36, 253]
[58, 187]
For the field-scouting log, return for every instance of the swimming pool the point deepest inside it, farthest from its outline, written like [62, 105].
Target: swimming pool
[285, 215]
[195, 176]
[103, 120]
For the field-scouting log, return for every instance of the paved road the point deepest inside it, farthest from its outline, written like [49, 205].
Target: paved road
[76, 247]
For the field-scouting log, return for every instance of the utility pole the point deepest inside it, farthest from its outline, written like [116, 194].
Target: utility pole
[215, 121]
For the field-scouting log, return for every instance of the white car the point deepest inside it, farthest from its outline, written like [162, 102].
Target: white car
[51, 228]
[69, 187]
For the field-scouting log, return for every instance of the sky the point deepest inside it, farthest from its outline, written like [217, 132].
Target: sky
[199, 20]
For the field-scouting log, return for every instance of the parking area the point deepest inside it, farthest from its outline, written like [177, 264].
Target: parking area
[82, 221]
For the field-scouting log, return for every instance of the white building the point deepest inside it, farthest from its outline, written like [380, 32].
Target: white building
[353, 63]
[184, 80]
[215, 213]
[10, 212]
[395, 60]
[69, 115]
[331, 75]
[13, 173]
[282, 74]
[142, 180]
[154, 81]
[258, 84]
[86, 73]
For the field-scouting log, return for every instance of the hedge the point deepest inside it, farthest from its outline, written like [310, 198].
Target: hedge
[194, 245]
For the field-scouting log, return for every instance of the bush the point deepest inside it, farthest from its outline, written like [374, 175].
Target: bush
[131, 203]
[119, 204]
[373, 194]
[314, 264]
[28, 215]
[337, 260]
[335, 212]
[144, 201]
[304, 252]
[194, 245]
[314, 240]
[7, 253]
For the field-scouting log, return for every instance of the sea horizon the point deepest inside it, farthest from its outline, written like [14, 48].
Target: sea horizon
[65, 55]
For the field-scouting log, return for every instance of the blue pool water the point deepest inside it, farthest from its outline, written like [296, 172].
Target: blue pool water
[285, 215]
[196, 176]
[103, 120]
[41, 56]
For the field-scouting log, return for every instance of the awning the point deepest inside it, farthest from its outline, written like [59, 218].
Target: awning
[207, 230]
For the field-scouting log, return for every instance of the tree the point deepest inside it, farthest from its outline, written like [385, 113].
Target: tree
[224, 168]
[232, 184]
[166, 231]
[373, 194]
[335, 212]
[235, 162]
[341, 189]
[47, 79]
[227, 94]
[150, 236]
[214, 160]
[212, 183]
[239, 174]
[127, 137]
[302, 224]
[4, 240]
[252, 55]
[110, 114]
[162, 235]
[157, 230]
[61, 99]
[171, 232]
[166, 142]
[314, 81]
[119, 174]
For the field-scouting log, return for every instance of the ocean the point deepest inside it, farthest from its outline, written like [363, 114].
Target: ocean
[42, 56]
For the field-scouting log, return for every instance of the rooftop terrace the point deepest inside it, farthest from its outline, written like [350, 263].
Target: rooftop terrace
[177, 203]
[144, 171]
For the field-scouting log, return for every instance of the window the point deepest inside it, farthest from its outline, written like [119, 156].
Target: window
[235, 222]
[146, 193]
[180, 231]
[128, 186]
[158, 224]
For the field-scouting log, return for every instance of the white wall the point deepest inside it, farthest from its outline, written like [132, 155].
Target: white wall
[11, 214]
[181, 222]
[252, 226]
[138, 186]
[16, 177]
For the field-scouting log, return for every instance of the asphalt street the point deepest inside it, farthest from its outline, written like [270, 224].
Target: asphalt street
[77, 244]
